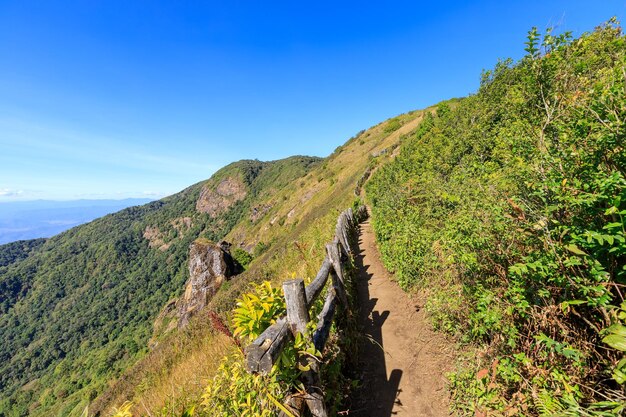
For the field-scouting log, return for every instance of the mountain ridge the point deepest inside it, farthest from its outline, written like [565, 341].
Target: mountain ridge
[103, 263]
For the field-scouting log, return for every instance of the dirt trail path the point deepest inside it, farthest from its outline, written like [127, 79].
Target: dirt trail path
[406, 376]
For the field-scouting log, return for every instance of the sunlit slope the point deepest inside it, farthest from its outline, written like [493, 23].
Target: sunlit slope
[79, 309]
[286, 230]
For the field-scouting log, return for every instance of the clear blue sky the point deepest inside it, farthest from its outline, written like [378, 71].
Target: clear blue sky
[112, 99]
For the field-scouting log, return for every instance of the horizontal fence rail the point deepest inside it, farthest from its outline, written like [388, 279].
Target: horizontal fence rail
[263, 352]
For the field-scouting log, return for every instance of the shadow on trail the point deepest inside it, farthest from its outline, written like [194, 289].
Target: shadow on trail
[377, 395]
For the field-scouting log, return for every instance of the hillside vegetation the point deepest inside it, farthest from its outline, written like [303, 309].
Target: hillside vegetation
[505, 209]
[78, 308]
[288, 240]
[508, 211]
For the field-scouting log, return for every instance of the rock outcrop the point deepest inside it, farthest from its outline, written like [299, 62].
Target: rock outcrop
[215, 202]
[157, 238]
[210, 264]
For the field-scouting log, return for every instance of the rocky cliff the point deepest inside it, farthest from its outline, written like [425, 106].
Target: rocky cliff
[210, 264]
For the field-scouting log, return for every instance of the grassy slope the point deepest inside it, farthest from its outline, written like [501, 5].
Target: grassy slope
[172, 377]
[79, 309]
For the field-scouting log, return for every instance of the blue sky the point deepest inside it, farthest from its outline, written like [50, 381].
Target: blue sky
[115, 99]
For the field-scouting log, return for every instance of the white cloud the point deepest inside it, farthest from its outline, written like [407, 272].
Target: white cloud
[153, 194]
[8, 192]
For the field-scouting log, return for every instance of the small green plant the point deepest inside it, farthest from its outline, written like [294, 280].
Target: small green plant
[124, 410]
[235, 392]
[242, 256]
[392, 125]
[259, 249]
[616, 338]
[257, 310]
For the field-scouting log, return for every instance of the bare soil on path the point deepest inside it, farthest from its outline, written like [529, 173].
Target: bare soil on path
[403, 361]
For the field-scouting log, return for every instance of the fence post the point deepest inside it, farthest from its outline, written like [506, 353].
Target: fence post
[336, 273]
[297, 318]
[295, 299]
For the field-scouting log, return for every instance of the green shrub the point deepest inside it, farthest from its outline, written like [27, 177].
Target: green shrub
[242, 256]
[234, 391]
[509, 208]
[392, 125]
[259, 249]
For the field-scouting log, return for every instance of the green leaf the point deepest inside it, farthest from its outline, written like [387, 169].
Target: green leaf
[617, 329]
[615, 225]
[616, 342]
[575, 250]
[619, 376]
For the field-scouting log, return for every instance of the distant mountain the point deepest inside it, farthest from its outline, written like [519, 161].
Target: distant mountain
[44, 218]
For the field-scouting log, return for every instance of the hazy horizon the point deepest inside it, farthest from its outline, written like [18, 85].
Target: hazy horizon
[24, 220]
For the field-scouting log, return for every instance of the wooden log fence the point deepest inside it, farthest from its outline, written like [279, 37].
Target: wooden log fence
[263, 352]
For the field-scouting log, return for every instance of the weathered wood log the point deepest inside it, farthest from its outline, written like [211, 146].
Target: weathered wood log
[351, 222]
[349, 239]
[297, 310]
[314, 396]
[263, 352]
[345, 240]
[349, 225]
[334, 256]
[316, 286]
[298, 317]
[361, 214]
[337, 273]
[325, 320]
[339, 234]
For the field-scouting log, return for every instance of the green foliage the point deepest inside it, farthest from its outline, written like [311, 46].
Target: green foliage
[242, 256]
[259, 249]
[16, 251]
[509, 209]
[392, 125]
[234, 391]
[258, 310]
[615, 337]
[14, 286]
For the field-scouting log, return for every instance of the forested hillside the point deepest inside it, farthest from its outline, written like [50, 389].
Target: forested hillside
[16, 251]
[508, 210]
[78, 308]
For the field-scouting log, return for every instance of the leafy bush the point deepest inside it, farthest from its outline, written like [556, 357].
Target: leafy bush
[234, 391]
[509, 209]
[392, 125]
[242, 256]
[257, 310]
[259, 249]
